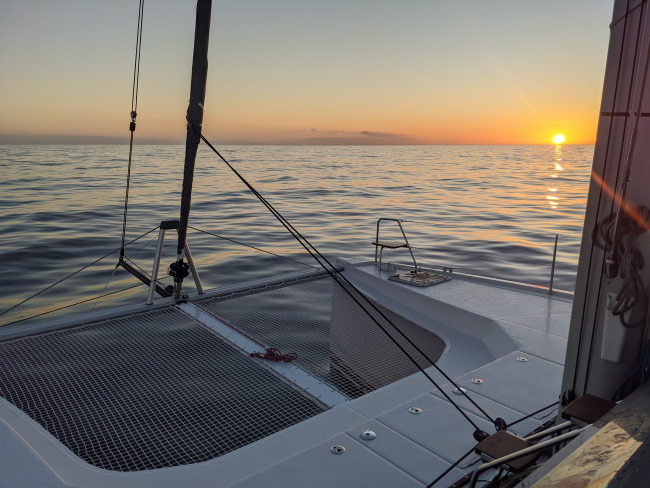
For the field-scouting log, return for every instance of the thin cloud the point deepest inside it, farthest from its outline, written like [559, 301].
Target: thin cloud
[362, 138]
[378, 134]
[364, 133]
[334, 132]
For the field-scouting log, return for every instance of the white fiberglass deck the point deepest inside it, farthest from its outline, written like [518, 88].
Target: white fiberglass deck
[487, 330]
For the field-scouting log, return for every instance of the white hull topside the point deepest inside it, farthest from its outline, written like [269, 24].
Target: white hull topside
[510, 337]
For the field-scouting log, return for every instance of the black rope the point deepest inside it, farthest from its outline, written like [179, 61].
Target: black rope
[617, 233]
[72, 274]
[534, 413]
[333, 272]
[251, 247]
[134, 114]
[446, 471]
[472, 449]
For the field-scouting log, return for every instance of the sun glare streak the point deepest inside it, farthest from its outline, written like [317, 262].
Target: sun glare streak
[630, 210]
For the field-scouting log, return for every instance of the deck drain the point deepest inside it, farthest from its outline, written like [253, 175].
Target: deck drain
[368, 435]
[415, 410]
[477, 381]
[337, 449]
[522, 359]
[459, 391]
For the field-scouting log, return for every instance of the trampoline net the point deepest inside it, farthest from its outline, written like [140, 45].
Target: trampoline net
[160, 389]
[334, 338]
[148, 391]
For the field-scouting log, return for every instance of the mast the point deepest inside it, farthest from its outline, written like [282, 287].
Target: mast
[179, 269]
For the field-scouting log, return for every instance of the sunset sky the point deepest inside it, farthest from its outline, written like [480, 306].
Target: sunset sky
[309, 71]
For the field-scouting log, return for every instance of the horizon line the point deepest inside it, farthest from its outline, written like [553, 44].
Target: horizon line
[63, 140]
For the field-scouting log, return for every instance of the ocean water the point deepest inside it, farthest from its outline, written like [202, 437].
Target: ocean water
[491, 210]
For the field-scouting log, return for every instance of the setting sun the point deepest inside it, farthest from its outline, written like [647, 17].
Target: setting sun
[559, 138]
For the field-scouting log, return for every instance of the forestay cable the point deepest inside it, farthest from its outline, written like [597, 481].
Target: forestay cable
[134, 114]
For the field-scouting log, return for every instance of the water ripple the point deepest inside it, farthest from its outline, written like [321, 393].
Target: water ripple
[484, 207]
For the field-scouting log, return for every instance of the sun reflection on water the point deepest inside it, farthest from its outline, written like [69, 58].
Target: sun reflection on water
[553, 199]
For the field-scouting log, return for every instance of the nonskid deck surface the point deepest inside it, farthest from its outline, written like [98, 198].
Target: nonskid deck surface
[160, 388]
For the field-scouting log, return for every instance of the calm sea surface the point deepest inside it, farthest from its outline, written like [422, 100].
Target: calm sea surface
[492, 210]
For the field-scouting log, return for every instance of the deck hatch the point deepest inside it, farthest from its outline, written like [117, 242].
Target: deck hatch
[151, 390]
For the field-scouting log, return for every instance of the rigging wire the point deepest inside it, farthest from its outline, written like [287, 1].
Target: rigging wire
[71, 275]
[134, 106]
[331, 270]
[458, 461]
[115, 269]
[136, 67]
[534, 413]
[134, 114]
[251, 247]
[105, 286]
[135, 253]
[71, 305]
[101, 295]
[446, 471]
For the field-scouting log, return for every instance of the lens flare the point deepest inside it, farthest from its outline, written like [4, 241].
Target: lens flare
[559, 139]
